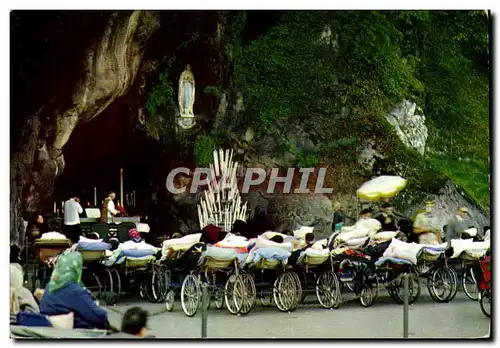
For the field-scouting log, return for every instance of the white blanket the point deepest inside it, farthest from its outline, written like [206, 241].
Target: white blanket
[53, 235]
[372, 224]
[183, 243]
[271, 234]
[319, 245]
[468, 245]
[403, 250]
[384, 236]
[301, 232]
[233, 241]
[264, 243]
[131, 245]
[353, 234]
[87, 240]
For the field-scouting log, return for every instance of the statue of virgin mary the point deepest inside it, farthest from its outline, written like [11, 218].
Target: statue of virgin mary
[186, 93]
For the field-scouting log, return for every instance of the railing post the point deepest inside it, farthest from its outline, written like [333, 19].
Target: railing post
[204, 312]
[405, 306]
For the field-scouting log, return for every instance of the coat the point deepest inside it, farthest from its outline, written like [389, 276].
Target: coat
[74, 298]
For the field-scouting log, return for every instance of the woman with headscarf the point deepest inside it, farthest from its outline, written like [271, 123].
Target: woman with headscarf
[65, 294]
[22, 298]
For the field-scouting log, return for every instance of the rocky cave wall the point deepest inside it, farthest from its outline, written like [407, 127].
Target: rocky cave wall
[112, 64]
[110, 67]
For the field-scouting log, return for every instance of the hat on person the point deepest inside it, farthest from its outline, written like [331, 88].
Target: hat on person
[134, 235]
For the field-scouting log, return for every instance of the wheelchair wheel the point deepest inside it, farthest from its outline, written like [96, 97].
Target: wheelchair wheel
[190, 295]
[170, 300]
[157, 286]
[469, 284]
[301, 295]
[328, 290]
[109, 295]
[441, 284]
[413, 288]
[248, 292]
[231, 296]
[485, 302]
[366, 297]
[285, 292]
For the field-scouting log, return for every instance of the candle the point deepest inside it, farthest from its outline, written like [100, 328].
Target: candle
[55, 207]
[95, 196]
[62, 207]
[121, 185]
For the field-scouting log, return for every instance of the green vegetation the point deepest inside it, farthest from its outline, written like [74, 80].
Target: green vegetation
[372, 60]
[203, 151]
[337, 73]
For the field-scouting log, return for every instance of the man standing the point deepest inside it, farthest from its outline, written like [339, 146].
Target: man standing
[72, 211]
[424, 227]
[108, 210]
[457, 224]
[338, 217]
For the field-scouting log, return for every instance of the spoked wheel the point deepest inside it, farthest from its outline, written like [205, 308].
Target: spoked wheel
[190, 295]
[158, 286]
[109, 294]
[233, 304]
[219, 298]
[170, 300]
[366, 297]
[485, 302]
[247, 292]
[469, 284]
[301, 295]
[117, 284]
[441, 284]
[285, 291]
[328, 290]
[413, 288]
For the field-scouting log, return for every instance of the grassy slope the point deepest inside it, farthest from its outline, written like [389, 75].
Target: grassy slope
[471, 176]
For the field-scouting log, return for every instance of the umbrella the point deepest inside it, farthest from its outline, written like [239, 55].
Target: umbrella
[381, 187]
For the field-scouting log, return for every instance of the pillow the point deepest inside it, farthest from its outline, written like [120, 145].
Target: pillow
[63, 321]
[301, 232]
[269, 234]
[471, 232]
[264, 243]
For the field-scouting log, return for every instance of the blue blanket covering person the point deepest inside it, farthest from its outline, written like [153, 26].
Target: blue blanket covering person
[65, 294]
[86, 246]
[270, 253]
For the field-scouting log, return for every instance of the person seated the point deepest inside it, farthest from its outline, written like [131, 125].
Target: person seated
[386, 218]
[23, 299]
[65, 294]
[211, 234]
[240, 228]
[15, 254]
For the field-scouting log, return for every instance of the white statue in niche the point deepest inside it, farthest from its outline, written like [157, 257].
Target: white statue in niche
[186, 93]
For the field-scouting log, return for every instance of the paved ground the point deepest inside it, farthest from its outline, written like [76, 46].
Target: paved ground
[461, 318]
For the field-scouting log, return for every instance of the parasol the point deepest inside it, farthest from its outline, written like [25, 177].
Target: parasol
[381, 187]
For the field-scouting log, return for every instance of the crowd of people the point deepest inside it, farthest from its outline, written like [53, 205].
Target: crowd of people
[66, 299]
[65, 296]
[425, 228]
